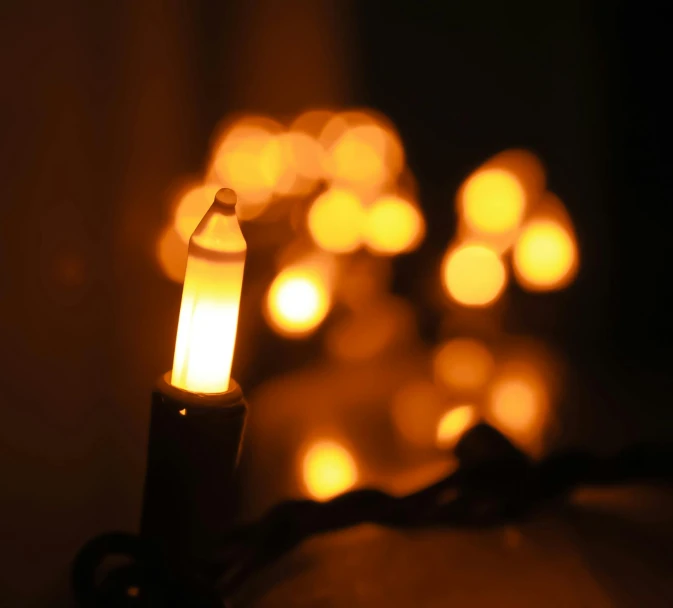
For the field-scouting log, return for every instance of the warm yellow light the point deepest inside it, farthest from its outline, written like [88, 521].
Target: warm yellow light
[362, 149]
[545, 256]
[299, 299]
[394, 225]
[172, 254]
[492, 202]
[371, 330]
[362, 280]
[304, 154]
[191, 208]
[311, 122]
[251, 160]
[328, 470]
[463, 364]
[526, 167]
[473, 275]
[416, 409]
[518, 403]
[335, 221]
[204, 347]
[454, 423]
[358, 156]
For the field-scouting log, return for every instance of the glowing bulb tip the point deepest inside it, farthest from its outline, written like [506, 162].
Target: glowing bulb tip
[226, 197]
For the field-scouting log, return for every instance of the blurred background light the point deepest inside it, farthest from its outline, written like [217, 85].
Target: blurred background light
[371, 330]
[362, 149]
[462, 364]
[528, 170]
[328, 469]
[171, 253]
[394, 225]
[492, 202]
[303, 155]
[335, 221]
[473, 275]
[545, 256]
[519, 402]
[191, 208]
[454, 423]
[363, 279]
[299, 299]
[416, 410]
[311, 122]
[359, 156]
[250, 160]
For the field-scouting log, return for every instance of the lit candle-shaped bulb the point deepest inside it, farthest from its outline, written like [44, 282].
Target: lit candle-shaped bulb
[204, 348]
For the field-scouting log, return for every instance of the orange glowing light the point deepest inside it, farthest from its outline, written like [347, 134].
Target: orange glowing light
[204, 347]
[362, 149]
[473, 275]
[463, 364]
[518, 402]
[337, 125]
[250, 159]
[492, 202]
[299, 299]
[191, 208]
[363, 280]
[359, 156]
[335, 221]
[526, 167]
[416, 409]
[371, 330]
[328, 469]
[308, 153]
[454, 423]
[545, 256]
[172, 254]
[303, 155]
[394, 225]
[311, 122]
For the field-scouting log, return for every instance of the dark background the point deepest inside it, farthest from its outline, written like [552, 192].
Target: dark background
[105, 105]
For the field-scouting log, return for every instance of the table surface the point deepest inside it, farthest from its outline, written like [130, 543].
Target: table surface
[607, 548]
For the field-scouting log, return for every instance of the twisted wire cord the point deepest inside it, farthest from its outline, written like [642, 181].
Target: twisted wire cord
[494, 484]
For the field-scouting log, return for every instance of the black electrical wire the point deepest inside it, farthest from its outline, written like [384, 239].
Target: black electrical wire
[494, 484]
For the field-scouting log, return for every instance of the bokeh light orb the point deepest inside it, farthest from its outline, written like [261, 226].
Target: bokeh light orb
[171, 253]
[492, 202]
[359, 156]
[394, 225]
[250, 159]
[514, 404]
[362, 149]
[303, 155]
[415, 410]
[328, 469]
[297, 301]
[526, 167]
[454, 423]
[462, 364]
[473, 275]
[192, 207]
[545, 256]
[335, 221]
[372, 330]
[518, 403]
[312, 122]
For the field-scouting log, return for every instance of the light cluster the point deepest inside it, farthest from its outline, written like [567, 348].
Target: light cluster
[341, 173]
[505, 214]
[336, 187]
